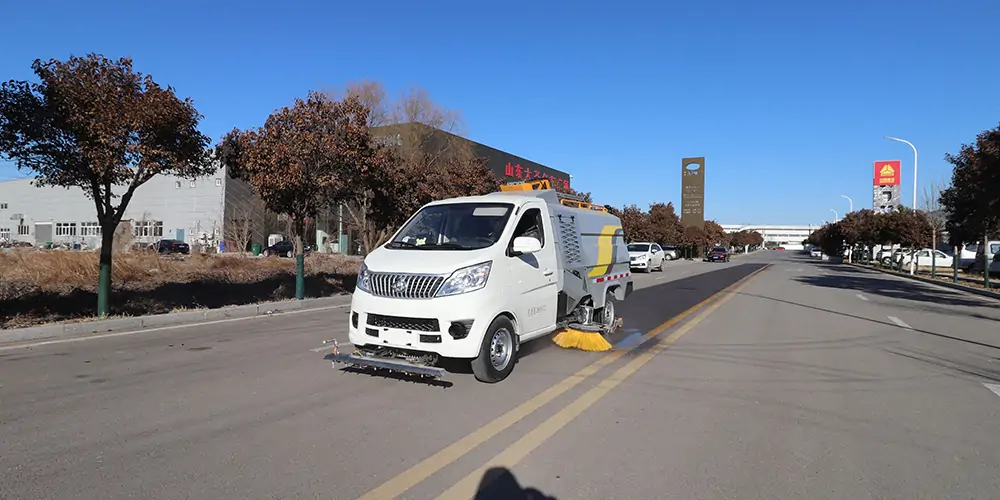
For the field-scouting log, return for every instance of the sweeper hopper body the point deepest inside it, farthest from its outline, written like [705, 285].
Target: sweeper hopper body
[474, 277]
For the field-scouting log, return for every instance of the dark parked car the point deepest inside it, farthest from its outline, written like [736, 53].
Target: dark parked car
[718, 254]
[171, 246]
[283, 249]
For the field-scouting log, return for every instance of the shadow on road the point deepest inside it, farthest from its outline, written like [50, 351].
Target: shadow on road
[499, 483]
[936, 360]
[887, 323]
[977, 368]
[893, 288]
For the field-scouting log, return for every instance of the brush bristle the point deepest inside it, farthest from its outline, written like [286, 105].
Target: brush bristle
[585, 341]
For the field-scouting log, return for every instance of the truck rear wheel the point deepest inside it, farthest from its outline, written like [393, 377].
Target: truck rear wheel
[608, 312]
[497, 352]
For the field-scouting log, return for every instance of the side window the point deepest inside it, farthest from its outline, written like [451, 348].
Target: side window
[530, 225]
[656, 248]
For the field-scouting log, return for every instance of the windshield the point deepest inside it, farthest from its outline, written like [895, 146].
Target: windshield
[454, 226]
[719, 249]
[636, 247]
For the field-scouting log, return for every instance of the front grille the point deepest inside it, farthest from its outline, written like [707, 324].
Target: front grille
[401, 323]
[405, 286]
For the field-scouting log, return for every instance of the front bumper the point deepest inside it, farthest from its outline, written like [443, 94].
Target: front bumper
[639, 264]
[420, 324]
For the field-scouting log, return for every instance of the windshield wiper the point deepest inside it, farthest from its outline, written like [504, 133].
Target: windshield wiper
[444, 246]
[401, 244]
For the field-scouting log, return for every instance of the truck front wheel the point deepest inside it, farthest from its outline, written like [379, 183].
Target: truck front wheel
[496, 353]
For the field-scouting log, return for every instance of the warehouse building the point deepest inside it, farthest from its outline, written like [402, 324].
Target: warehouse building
[208, 212]
[788, 236]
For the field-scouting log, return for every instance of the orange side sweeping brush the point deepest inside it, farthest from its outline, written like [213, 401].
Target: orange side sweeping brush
[577, 339]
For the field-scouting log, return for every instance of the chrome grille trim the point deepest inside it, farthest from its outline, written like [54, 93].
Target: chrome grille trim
[418, 286]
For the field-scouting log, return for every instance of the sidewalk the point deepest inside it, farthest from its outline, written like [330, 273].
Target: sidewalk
[157, 321]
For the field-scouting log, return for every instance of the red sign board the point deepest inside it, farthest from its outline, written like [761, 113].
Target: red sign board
[887, 173]
[524, 173]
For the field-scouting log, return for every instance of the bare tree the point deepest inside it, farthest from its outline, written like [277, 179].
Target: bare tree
[935, 212]
[425, 140]
[239, 226]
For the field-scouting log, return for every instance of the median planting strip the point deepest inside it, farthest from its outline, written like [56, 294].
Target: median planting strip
[982, 292]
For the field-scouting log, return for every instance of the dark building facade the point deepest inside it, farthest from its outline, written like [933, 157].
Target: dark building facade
[505, 166]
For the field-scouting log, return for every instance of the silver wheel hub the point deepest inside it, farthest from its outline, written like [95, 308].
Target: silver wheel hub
[501, 348]
[609, 316]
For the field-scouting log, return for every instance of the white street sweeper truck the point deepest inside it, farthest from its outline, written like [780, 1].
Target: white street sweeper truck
[475, 277]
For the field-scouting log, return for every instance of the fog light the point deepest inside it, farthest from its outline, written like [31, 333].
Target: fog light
[459, 329]
[354, 319]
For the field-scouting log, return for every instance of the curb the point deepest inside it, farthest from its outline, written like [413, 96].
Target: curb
[139, 323]
[962, 288]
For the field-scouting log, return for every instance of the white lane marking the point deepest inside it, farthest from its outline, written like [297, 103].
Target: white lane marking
[994, 387]
[161, 328]
[899, 322]
[661, 278]
[862, 297]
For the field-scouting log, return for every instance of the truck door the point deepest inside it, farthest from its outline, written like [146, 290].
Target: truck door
[534, 276]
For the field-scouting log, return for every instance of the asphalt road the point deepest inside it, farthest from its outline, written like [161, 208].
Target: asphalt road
[804, 380]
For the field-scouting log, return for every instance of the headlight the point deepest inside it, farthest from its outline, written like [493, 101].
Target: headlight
[364, 278]
[467, 279]
[643, 257]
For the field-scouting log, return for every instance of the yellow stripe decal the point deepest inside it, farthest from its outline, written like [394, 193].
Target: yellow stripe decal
[605, 250]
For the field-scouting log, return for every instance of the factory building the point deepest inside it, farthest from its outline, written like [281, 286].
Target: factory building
[206, 212]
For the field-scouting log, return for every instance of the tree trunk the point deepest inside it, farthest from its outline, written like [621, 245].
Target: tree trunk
[104, 274]
[298, 227]
[986, 260]
[954, 264]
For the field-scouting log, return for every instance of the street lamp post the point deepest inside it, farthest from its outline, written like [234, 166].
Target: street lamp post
[849, 200]
[850, 251]
[912, 266]
[904, 141]
[836, 216]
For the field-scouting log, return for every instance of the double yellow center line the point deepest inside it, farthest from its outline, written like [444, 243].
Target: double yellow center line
[514, 453]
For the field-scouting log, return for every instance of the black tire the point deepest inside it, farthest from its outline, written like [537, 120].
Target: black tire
[485, 366]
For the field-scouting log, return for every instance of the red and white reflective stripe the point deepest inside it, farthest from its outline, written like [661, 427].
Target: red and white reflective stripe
[611, 277]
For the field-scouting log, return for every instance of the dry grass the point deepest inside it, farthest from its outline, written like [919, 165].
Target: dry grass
[43, 286]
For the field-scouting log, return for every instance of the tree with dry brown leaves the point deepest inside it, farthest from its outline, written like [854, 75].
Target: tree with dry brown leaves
[665, 225]
[94, 123]
[635, 224]
[714, 234]
[304, 156]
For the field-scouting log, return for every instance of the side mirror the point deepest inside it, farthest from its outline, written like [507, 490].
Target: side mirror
[525, 244]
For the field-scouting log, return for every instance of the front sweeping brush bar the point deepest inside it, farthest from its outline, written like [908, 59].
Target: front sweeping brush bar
[388, 361]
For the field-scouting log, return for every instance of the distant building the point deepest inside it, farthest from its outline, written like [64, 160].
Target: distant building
[787, 236]
[203, 212]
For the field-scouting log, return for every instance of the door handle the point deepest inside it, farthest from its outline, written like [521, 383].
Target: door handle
[548, 272]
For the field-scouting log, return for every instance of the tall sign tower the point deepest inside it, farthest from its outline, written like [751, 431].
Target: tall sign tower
[887, 194]
[693, 192]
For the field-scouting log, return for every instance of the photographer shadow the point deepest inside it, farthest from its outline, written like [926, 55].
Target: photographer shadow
[499, 483]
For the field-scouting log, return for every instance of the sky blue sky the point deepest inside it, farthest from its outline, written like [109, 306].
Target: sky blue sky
[787, 100]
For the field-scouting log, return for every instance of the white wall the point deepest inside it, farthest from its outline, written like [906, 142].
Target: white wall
[182, 208]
